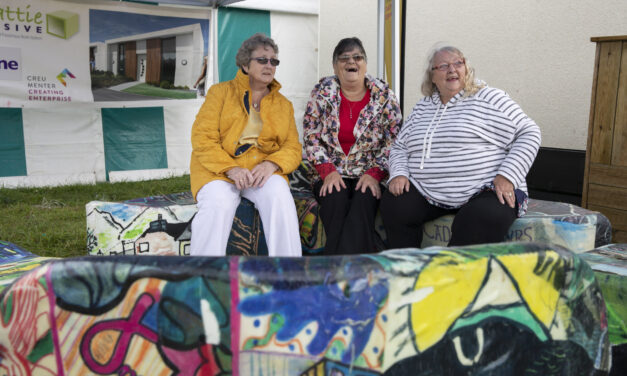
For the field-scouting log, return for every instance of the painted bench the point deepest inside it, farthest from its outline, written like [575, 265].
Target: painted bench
[609, 264]
[509, 308]
[159, 225]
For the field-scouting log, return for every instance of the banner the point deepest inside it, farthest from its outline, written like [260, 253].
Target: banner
[42, 53]
[135, 56]
[58, 52]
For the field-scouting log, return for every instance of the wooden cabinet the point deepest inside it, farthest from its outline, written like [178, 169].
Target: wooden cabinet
[605, 174]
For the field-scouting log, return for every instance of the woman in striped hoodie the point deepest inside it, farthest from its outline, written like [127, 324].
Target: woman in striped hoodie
[465, 149]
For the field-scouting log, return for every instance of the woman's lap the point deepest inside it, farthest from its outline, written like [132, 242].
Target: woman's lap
[348, 219]
[217, 202]
[483, 219]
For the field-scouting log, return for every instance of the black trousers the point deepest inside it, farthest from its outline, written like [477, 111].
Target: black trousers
[348, 219]
[483, 219]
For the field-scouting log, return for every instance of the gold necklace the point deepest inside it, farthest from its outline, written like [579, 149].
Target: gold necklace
[350, 104]
[350, 109]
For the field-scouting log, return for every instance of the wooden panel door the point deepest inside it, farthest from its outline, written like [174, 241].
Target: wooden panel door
[153, 61]
[619, 148]
[605, 177]
[130, 60]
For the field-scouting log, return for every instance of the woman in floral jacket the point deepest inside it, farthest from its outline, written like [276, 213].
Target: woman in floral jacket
[349, 125]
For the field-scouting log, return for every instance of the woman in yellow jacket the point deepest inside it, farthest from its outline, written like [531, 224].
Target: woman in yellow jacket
[244, 143]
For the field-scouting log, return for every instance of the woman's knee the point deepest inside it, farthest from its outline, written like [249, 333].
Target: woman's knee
[218, 196]
[485, 219]
[397, 208]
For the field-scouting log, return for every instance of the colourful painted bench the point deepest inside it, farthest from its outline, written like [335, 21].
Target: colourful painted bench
[509, 308]
[159, 225]
[609, 264]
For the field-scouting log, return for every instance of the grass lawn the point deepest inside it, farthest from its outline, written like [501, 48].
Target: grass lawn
[153, 91]
[51, 221]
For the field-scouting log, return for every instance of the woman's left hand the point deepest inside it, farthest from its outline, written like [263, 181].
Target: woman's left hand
[366, 181]
[262, 172]
[504, 190]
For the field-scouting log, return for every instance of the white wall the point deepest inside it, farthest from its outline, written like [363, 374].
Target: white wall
[297, 38]
[343, 19]
[538, 51]
[184, 74]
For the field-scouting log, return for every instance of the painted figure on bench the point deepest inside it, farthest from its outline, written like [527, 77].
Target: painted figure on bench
[465, 149]
[244, 144]
[349, 126]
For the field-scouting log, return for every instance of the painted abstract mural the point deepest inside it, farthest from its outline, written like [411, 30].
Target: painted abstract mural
[509, 308]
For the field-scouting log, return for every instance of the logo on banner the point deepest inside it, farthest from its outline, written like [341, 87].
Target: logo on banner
[26, 21]
[64, 74]
[10, 64]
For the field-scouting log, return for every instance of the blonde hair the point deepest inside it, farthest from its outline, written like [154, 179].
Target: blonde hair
[470, 85]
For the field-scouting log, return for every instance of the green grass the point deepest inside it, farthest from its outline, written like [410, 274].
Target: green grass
[51, 221]
[153, 91]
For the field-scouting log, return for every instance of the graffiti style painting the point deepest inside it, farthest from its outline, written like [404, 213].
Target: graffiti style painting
[484, 309]
[159, 225]
[609, 264]
[15, 261]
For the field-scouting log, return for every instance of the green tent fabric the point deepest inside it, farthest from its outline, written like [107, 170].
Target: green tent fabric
[12, 151]
[134, 138]
[234, 27]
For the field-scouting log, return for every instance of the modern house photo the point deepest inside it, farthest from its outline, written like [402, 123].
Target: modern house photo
[136, 51]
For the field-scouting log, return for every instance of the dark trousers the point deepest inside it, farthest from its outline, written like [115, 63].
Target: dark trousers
[348, 219]
[483, 219]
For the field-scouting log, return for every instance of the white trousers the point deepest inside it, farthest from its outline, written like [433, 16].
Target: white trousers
[217, 203]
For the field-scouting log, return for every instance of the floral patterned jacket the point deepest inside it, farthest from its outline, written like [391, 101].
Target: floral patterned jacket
[377, 126]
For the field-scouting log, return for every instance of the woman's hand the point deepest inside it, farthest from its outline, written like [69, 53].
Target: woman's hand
[504, 190]
[334, 179]
[242, 178]
[366, 181]
[262, 172]
[399, 185]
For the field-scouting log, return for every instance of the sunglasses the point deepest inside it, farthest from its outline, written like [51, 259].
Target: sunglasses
[264, 61]
[345, 58]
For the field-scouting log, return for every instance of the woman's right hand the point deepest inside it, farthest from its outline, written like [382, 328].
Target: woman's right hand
[334, 179]
[399, 185]
[242, 177]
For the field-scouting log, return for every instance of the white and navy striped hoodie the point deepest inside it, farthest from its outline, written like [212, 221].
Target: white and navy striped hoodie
[451, 151]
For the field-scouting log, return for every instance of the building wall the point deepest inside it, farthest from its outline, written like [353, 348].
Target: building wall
[538, 51]
[342, 19]
[298, 53]
[101, 56]
[183, 75]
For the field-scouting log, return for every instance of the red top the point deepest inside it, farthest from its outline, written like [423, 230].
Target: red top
[349, 113]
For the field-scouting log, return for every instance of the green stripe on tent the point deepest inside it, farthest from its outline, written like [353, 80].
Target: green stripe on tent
[12, 151]
[134, 139]
[235, 26]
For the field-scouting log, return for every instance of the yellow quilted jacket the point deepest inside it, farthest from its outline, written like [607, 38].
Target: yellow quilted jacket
[219, 125]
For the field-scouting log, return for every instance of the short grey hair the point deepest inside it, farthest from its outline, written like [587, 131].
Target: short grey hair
[470, 85]
[348, 44]
[243, 57]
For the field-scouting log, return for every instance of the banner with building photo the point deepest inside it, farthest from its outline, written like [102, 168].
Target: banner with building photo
[136, 56]
[42, 58]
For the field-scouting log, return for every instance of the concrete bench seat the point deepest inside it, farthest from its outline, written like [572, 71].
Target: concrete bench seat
[609, 264]
[159, 225]
[508, 308]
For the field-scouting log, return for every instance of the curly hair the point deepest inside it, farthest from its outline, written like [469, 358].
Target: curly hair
[471, 86]
[243, 57]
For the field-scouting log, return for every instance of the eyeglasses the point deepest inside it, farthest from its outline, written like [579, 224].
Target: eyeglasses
[444, 67]
[264, 61]
[345, 58]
